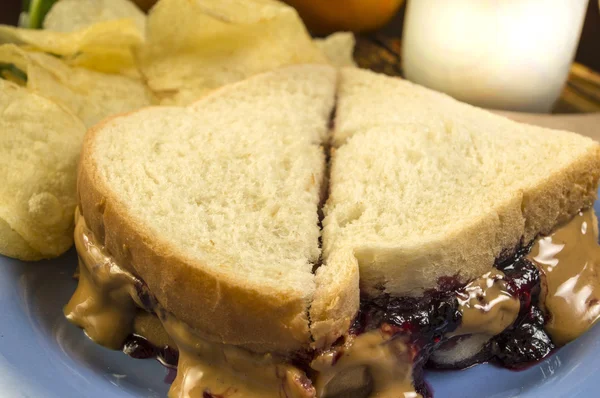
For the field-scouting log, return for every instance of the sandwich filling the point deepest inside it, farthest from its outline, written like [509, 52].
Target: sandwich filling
[542, 297]
[109, 304]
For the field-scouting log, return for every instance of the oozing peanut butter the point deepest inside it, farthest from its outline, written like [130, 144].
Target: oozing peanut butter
[570, 262]
[387, 360]
[104, 304]
[107, 306]
[150, 327]
[226, 370]
[487, 306]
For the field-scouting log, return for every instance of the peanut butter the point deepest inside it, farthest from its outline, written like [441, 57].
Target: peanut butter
[104, 303]
[487, 306]
[107, 306]
[225, 370]
[569, 260]
[150, 327]
[387, 360]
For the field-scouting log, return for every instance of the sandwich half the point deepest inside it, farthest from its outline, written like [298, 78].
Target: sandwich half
[473, 233]
[206, 218]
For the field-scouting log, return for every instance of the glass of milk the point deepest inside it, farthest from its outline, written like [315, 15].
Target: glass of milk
[500, 54]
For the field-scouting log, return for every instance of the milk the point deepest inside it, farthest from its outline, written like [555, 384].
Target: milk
[502, 54]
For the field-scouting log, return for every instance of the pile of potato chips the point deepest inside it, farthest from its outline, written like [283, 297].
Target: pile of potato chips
[98, 58]
[39, 149]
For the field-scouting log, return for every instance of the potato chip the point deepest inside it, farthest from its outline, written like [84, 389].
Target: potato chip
[9, 71]
[194, 46]
[39, 148]
[338, 48]
[90, 95]
[73, 15]
[104, 46]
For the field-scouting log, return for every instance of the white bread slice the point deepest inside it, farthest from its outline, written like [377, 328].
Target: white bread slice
[215, 206]
[424, 187]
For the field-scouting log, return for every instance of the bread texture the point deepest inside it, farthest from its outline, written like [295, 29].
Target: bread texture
[39, 148]
[425, 187]
[214, 206]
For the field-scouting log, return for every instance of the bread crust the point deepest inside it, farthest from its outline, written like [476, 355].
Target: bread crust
[336, 299]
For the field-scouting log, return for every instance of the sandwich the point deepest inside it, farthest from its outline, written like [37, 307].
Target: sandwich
[475, 235]
[314, 233]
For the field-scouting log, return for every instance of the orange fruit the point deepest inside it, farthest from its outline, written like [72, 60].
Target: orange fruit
[326, 16]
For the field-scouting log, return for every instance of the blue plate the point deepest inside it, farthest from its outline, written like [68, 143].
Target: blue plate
[43, 355]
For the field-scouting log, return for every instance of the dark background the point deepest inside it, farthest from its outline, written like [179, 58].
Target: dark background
[588, 52]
